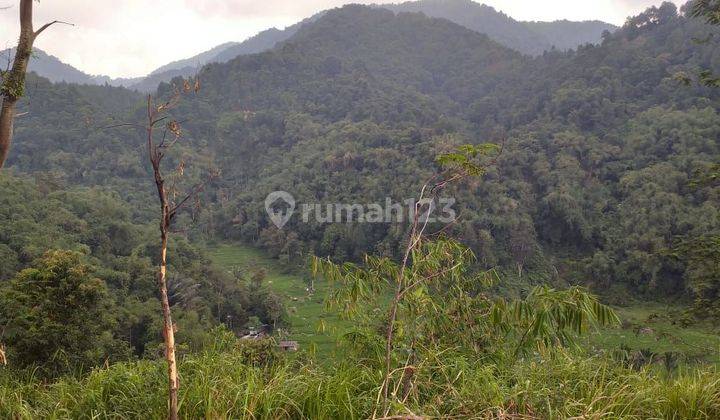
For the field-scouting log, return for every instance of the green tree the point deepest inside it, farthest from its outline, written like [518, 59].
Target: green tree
[12, 81]
[58, 316]
[702, 255]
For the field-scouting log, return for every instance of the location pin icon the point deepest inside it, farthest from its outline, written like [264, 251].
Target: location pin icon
[279, 218]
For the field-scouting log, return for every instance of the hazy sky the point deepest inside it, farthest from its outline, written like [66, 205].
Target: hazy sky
[123, 38]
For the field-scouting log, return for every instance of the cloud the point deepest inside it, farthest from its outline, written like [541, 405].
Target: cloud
[612, 11]
[260, 8]
[637, 4]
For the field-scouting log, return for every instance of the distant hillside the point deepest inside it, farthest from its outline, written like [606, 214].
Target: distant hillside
[263, 41]
[531, 38]
[151, 82]
[51, 67]
[526, 37]
[566, 35]
[195, 61]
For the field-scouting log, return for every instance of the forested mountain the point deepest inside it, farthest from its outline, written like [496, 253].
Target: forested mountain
[584, 132]
[362, 96]
[527, 37]
[567, 35]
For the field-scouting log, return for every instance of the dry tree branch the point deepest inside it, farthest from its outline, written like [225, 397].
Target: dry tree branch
[122, 125]
[194, 191]
[155, 151]
[47, 25]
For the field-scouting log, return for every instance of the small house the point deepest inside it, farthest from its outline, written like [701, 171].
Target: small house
[288, 345]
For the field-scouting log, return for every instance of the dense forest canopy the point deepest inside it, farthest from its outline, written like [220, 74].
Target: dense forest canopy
[91, 234]
[593, 188]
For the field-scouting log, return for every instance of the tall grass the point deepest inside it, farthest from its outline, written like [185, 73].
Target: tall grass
[217, 385]
[222, 385]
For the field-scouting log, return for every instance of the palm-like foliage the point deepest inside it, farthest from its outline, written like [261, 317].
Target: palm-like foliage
[549, 317]
[445, 306]
[448, 302]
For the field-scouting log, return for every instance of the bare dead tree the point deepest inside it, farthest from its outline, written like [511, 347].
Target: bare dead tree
[13, 80]
[158, 119]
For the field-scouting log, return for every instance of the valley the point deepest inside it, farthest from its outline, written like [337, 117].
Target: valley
[317, 330]
[306, 311]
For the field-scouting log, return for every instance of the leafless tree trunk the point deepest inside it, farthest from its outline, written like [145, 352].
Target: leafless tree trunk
[168, 326]
[166, 217]
[168, 210]
[13, 81]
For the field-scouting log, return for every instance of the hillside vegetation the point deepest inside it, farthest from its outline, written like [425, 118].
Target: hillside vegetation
[580, 278]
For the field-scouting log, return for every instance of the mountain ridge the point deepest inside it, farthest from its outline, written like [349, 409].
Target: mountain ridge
[531, 38]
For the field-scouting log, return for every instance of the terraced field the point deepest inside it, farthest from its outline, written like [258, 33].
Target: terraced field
[306, 311]
[661, 331]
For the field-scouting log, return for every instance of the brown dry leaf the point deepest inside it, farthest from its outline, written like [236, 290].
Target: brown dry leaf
[3, 359]
[174, 128]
